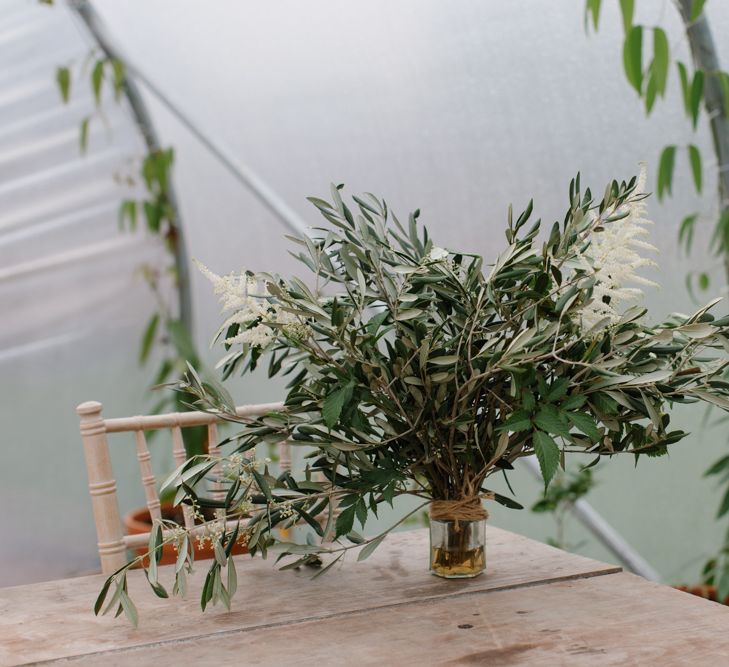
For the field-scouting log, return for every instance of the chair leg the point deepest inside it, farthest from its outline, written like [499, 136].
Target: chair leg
[102, 488]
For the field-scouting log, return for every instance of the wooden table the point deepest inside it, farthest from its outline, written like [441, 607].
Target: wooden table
[535, 606]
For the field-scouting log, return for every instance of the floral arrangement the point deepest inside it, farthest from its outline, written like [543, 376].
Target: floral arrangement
[416, 370]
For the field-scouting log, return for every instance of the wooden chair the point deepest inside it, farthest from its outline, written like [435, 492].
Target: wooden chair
[112, 543]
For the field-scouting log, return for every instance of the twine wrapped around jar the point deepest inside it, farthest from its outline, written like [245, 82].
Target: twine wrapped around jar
[469, 508]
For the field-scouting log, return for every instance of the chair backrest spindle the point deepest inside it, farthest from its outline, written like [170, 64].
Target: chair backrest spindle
[179, 454]
[148, 481]
[216, 486]
[112, 543]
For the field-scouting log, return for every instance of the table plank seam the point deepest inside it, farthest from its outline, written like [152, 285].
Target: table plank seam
[323, 617]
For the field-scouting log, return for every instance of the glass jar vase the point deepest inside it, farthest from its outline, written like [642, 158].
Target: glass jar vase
[457, 548]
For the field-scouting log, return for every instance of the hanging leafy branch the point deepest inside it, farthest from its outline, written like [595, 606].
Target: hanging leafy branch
[647, 70]
[559, 500]
[702, 81]
[168, 328]
[101, 69]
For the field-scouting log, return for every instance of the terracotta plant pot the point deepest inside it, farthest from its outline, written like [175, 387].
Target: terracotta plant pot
[139, 521]
[702, 591]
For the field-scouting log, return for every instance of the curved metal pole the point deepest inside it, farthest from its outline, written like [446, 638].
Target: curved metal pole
[241, 172]
[605, 533]
[144, 122]
[706, 58]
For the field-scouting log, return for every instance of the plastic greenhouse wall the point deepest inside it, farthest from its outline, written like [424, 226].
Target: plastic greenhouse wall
[456, 109]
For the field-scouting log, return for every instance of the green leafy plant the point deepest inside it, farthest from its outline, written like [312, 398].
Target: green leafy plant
[648, 60]
[559, 499]
[703, 83]
[168, 328]
[716, 568]
[716, 572]
[99, 68]
[415, 370]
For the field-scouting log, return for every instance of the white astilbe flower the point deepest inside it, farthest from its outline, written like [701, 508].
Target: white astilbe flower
[437, 254]
[259, 335]
[614, 258]
[236, 291]
[254, 310]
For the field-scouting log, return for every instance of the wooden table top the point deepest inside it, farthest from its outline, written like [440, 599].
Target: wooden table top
[535, 605]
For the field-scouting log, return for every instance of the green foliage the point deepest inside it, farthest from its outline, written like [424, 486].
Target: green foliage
[548, 455]
[333, 404]
[696, 95]
[414, 371]
[688, 86]
[627, 10]
[692, 90]
[696, 170]
[658, 70]
[128, 211]
[148, 338]
[560, 498]
[118, 75]
[716, 571]
[686, 231]
[724, 83]
[665, 170]
[63, 79]
[83, 138]
[652, 83]
[593, 10]
[721, 469]
[164, 330]
[633, 57]
[696, 8]
[97, 78]
[720, 238]
[685, 86]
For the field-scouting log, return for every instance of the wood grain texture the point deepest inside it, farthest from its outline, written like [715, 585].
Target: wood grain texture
[606, 621]
[55, 619]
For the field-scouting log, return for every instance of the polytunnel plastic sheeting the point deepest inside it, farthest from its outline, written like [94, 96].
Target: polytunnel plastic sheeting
[58, 208]
[72, 300]
[455, 108]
